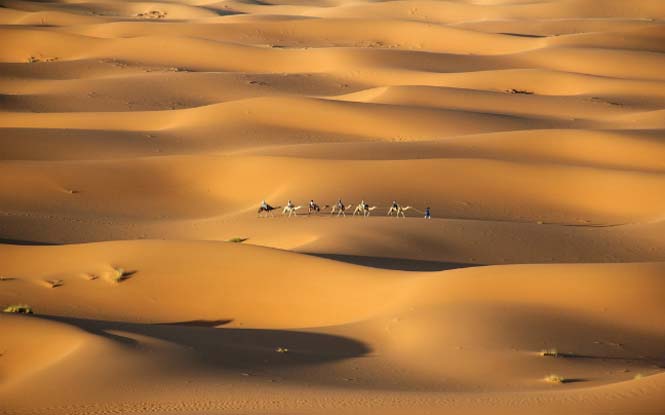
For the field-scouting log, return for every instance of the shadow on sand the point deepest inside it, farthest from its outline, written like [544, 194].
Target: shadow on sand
[22, 242]
[231, 348]
[197, 323]
[573, 380]
[638, 359]
[400, 264]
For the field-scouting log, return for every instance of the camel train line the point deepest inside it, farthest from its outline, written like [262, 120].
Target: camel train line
[338, 209]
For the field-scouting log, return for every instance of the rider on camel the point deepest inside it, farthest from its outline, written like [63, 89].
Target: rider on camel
[313, 207]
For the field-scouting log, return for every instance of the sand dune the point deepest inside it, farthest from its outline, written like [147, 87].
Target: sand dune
[138, 138]
[555, 193]
[293, 315]
[304, 291]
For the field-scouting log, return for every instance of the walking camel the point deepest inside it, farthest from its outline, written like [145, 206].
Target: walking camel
[291, 210]
[363, 209]
[267, 209]
[339, 209]
[399, 210]
[314, 208]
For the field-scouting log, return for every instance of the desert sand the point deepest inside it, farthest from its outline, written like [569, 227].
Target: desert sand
[137, 140]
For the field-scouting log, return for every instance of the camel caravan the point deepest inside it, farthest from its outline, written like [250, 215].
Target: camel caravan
[339, 209]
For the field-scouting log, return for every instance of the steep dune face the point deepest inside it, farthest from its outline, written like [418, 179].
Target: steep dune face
[144, 134]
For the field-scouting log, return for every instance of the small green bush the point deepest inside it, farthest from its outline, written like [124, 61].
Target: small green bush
[19, 308]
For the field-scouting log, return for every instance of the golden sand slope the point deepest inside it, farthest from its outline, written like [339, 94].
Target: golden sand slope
[532, 128]
[346, 328]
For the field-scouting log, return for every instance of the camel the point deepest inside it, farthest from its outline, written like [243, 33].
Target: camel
[339, 209]
[399, 210]
[364, 209]
[360, 209]
[315, 208]
[291, 210]
[267, 209]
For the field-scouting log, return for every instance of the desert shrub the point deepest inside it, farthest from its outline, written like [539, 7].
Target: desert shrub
[54, 283]
[119, 275]
[19, 308]
[555, 379]
[549, 352]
